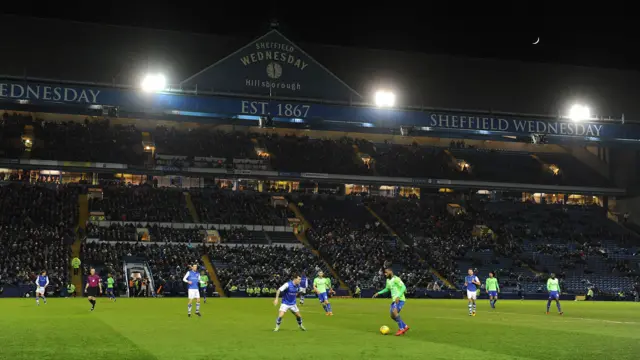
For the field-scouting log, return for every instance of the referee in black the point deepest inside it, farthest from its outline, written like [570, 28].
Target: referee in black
[93, 286]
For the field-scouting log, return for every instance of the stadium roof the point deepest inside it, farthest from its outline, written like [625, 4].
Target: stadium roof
[272, 65]
[99, 53]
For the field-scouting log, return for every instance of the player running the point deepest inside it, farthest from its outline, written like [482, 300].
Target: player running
[92, 287]
[291, 289]
[492, 287]
[553, 287]
[204, 283]
[322, 287]
[110, 283]
[471, 281]
[192, 277]
[42, 281]
[397, 289]
[304, 284]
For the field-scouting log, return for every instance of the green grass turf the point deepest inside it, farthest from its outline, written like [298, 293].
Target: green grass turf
[242, 329]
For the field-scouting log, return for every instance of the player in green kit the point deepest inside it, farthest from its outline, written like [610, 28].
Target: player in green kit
[110, 283]
[397, 289]
[204, 282]
[553, 287]
[492, 287]
[322, 287]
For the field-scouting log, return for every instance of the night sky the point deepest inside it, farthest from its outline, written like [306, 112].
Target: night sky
[579, 38]
[451, 59]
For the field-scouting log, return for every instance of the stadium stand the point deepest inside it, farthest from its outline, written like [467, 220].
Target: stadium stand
[101, 141]
[168, 262]
[262, 266]
[244, 208]
[356, 245]
[87, 141]
[36, 230]
[142, 203]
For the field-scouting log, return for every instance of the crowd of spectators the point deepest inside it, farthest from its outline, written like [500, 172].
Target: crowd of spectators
[87, 141]
[36, 231]
[263, 266]
[26, 250]
[101, 141]
[204, 143]
[129, 232]
[22, 203]
[444, 238]
[304, 154]
[168, 262]
[142, 203]
[238, 208]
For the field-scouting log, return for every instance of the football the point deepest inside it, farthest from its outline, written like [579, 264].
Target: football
[384, 329]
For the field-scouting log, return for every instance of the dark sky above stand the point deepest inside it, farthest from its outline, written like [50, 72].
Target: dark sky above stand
[571, 37]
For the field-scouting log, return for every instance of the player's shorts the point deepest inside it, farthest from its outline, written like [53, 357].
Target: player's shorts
[40, 290]
[554, 295]
[303, 290]
[292, 308]
[92, 291]
[472, 295]
[323, 296]
[493, 293]
[193, 294]
[397, 306]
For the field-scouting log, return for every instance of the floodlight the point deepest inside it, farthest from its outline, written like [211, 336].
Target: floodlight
[154, 82]
[579, 113]
[385, 98]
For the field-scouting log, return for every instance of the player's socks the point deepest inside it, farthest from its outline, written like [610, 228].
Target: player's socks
[197, 308]
[189, 309]
[474, 308]
[548, 305]
[401, 324]
[37, 301]
[44, 299]
[324, 306]
[558, 306]
[299, 320]
[278, 322]
[494, 303]
[469, 308]
[329, 308]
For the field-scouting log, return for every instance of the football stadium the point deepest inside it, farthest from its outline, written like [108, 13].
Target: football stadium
[262, 199]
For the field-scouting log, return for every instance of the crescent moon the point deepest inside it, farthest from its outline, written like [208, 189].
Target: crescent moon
[537, 41]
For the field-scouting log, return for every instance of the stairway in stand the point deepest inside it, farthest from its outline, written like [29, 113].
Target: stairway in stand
[400, 241]
[191, 207]
[213, 275]
[83, 209]
[302, 237]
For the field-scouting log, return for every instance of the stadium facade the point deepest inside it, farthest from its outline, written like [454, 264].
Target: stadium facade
[323, 91]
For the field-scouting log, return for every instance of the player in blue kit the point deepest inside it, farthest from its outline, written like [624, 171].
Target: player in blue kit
[472, 283]
[553, 287]
[42, 281]
[290, 290]
[304, 284]
[192, 278]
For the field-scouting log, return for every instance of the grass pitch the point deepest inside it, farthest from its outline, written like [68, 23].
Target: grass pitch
[242, 329]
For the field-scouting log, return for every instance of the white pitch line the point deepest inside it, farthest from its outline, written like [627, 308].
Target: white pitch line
[555, 318]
